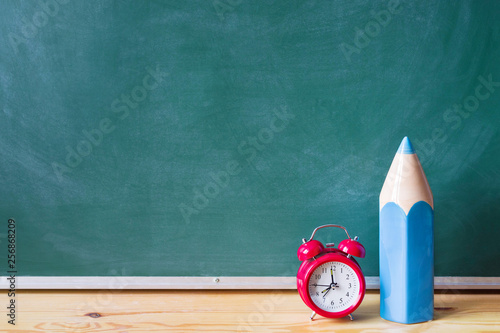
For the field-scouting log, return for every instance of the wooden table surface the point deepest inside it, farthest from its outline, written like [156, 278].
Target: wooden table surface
[230, 311]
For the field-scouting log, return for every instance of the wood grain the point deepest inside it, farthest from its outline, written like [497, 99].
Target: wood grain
[230, 311]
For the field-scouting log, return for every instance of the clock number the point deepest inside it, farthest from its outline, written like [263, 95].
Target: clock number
[317, 293]
[334, 267]
[332, 302]
[323, 270]
[341, 300]
[349, 285]
[347, 276]
[318, 276]
[347, 294]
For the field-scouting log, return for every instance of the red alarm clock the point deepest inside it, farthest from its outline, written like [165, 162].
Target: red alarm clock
[330, 280]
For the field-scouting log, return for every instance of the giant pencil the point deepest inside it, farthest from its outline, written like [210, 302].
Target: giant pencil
[406, 241]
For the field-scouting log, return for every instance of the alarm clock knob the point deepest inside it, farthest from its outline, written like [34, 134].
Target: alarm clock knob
[352, 247]
[310, 249]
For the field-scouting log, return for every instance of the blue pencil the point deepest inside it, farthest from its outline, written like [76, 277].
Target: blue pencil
[406, 241]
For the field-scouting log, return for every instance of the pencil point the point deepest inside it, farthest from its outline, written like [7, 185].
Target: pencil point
[406, 147]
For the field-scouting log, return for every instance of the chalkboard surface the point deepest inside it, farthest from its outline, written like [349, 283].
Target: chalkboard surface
[207, 138]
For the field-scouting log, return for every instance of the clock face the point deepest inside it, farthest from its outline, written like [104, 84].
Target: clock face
[334, 286]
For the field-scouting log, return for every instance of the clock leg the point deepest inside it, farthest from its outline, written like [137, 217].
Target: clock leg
[350, 317]
[312, 315]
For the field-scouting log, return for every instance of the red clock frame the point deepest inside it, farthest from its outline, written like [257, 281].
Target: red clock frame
[307, 268]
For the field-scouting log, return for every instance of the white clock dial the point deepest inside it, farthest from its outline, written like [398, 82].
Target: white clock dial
[334, 286]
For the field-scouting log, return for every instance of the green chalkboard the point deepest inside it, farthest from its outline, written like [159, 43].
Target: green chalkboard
[207, 138]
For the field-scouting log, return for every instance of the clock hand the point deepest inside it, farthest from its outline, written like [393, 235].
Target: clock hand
[331, 272]
[320, 285]
[327, 292]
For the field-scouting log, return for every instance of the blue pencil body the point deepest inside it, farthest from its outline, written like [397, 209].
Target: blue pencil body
[407, 263]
